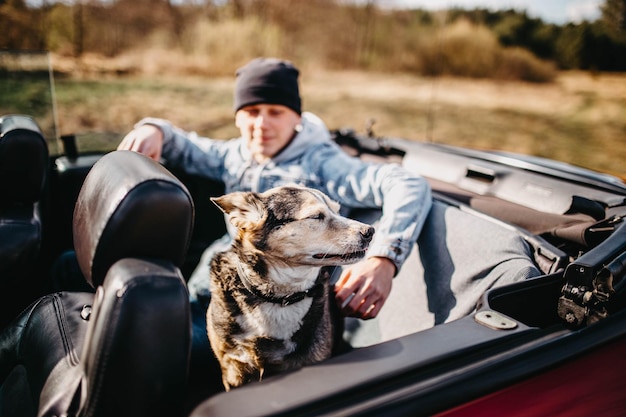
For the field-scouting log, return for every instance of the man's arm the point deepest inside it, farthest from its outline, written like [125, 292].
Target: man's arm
[405, 200]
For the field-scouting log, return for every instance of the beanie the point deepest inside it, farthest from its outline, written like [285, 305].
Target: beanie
[267, 81]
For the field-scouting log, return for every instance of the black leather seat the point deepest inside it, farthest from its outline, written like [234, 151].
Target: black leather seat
[123, 351]
[23, 168]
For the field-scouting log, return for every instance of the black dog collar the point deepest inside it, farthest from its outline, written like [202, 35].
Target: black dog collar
[317, 290]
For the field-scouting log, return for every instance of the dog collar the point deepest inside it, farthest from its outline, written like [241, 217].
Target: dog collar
[315, 291]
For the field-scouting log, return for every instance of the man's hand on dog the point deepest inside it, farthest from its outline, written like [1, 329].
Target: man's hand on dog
[363, 288]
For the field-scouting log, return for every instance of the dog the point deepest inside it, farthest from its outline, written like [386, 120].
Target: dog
[270, 308]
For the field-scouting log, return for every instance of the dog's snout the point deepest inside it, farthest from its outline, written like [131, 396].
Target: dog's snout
[367, 233]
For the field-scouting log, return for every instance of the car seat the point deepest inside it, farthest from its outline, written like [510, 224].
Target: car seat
[123, 350]
[23, 167]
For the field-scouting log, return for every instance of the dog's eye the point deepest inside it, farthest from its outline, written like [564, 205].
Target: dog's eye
[280, 223]
[318, 216]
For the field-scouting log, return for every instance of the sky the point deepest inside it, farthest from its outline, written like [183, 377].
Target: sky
[551, 11]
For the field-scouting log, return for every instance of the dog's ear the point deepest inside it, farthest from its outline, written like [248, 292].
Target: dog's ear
[244, 210]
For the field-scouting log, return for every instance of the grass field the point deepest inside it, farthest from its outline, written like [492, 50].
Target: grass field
[580, 118]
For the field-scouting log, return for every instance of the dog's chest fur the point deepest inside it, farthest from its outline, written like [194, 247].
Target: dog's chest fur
[273, 320]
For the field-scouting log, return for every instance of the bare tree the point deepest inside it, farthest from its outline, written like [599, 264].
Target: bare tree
[78, 19]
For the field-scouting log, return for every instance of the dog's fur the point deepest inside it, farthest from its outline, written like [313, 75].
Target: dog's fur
[284, 238]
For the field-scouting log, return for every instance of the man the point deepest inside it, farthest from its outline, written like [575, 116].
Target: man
[281, 145]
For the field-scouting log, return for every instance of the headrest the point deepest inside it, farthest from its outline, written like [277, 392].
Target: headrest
[23, 160]
[130, 207]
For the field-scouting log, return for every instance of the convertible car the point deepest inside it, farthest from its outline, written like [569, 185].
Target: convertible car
[545, 335]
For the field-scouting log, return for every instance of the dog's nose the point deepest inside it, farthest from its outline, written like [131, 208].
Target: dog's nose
[367, 233]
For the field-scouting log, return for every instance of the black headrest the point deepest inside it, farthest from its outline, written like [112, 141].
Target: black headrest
[23, 160]
[130, 206]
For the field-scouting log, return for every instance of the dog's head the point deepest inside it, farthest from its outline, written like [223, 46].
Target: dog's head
[295, 225]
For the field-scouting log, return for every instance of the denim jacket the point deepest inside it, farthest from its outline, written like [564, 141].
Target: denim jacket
[311, 159]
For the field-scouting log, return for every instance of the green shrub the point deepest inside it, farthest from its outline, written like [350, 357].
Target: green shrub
[520, 64]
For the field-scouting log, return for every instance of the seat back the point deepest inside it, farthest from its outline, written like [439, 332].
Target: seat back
[23, 168]
[132, 226]
[136, 354]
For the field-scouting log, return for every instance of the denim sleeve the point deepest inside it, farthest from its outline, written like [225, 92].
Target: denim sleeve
[190, 152]
[404, 197]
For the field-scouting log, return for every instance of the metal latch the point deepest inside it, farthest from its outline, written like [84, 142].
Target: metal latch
[581, 305]
[494, 320]
[593, 279]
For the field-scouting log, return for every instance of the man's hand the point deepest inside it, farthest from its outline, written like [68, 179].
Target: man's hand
[146, 139]
[363, 288]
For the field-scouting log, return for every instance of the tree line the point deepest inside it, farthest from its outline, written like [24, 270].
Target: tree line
[329, 33]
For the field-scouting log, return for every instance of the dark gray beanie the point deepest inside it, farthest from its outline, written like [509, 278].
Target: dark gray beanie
[268, 81]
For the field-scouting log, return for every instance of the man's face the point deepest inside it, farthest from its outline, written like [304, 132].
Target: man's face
[268, 128]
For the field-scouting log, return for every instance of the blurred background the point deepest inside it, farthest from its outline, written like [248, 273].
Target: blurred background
[505, 75]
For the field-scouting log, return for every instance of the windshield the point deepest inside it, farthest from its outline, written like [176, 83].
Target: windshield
[27, 87]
